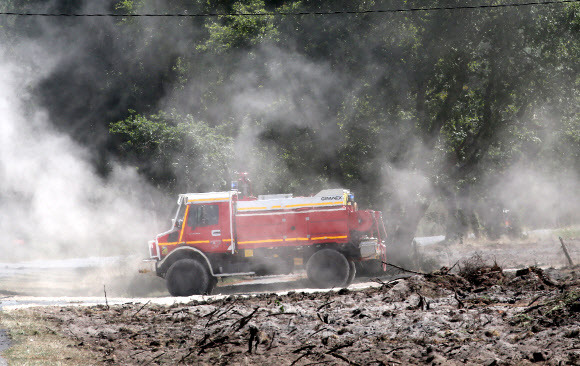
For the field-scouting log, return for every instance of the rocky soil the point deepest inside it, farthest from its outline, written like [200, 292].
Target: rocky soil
[475, 313]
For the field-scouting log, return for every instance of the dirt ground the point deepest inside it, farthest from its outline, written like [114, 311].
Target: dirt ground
[475, 313]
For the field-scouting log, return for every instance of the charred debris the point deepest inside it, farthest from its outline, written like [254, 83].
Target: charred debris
[474, 313]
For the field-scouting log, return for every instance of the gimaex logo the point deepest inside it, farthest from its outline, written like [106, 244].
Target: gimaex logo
[332, 198]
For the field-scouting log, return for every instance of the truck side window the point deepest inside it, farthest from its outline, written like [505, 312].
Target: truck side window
[210, 215]
[203, 215]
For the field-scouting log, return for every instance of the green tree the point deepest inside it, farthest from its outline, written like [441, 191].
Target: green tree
[240, 32]
[177, 153]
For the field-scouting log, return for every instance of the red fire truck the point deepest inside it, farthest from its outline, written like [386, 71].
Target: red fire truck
[232, 233]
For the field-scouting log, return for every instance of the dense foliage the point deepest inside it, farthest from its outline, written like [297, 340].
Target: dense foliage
[406, 109]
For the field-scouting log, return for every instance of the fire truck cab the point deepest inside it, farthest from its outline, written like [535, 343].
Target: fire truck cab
[220, 234]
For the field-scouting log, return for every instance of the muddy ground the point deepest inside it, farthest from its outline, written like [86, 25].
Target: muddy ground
[474, 313]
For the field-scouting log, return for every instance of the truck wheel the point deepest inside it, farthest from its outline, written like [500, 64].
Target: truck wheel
[188, 277]
[328, 268]
[351, 272]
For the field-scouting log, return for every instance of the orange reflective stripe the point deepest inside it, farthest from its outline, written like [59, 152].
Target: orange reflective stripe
[208, 199]
[251, 208]
[260, 241]
[183, 223]
[165, 244]
[329, 237]
[316, 204]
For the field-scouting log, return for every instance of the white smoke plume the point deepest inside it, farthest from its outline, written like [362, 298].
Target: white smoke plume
[52, 202]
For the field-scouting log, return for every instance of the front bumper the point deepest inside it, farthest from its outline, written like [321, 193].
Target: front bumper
[148, 266]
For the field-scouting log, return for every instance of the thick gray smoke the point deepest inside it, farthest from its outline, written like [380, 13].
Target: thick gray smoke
[52, 202]
[543, 199]
[289, 93]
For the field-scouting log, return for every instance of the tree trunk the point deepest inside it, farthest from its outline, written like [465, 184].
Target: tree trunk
[400, 249]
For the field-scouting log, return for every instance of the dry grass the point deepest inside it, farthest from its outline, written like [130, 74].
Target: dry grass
[34, 342]
[478, 271]
[572, 232]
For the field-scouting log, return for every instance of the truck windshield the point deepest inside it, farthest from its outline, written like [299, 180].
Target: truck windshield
[178, 220]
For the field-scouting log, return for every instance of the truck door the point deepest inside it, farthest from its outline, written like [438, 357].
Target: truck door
[207, 227]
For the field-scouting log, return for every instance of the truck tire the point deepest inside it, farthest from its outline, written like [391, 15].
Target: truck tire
[351, 272]
[188, 277]
[328, 268]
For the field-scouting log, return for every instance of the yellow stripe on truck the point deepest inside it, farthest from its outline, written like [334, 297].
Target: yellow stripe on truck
[166, 244]
[260, 241]
[329, 237]
[292, 239]
[183, 224]
[187, 242]
[251, 208]
[316, 204]
[208, 199]
[291, 206]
